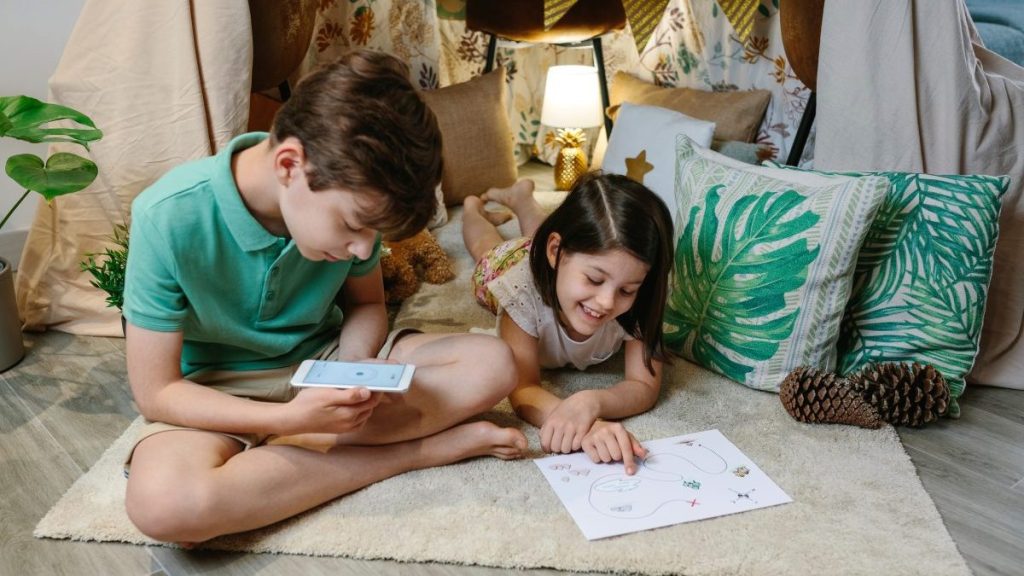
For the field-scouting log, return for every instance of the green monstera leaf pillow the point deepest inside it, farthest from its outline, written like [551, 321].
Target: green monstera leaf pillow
[922, 277]
[764, 263]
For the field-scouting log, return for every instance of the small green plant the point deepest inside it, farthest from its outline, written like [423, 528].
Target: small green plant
[23, 118]
[108, 271]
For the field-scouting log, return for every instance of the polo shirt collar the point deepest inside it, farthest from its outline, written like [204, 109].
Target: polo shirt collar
[246, 230]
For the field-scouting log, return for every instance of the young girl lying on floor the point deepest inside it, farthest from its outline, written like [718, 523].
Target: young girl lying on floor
[571, 290]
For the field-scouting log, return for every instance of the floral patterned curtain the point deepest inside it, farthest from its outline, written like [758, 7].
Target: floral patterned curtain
[694, 46]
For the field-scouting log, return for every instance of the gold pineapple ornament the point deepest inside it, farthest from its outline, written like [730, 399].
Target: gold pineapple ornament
[905, 395]
[572, 159]
[816, 397]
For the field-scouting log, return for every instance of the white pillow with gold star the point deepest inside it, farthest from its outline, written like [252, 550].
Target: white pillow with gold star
[643, 146]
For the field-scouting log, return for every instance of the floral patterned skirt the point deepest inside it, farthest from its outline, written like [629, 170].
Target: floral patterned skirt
[493, 264]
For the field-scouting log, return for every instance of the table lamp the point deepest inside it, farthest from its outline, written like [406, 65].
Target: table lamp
[572, 101]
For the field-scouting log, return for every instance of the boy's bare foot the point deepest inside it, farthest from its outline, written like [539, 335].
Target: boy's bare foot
[495, 217]
[511, 196]
[476, 439]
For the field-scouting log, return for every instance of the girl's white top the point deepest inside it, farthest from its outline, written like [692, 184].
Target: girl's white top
[518, 297]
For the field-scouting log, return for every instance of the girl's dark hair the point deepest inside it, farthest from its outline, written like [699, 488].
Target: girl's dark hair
[606, 212]
[364, 128]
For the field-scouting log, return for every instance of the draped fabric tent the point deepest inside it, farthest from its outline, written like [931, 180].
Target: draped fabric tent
[166, 82]
[907, 85]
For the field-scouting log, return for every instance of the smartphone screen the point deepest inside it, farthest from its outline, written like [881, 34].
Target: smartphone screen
[376, 375]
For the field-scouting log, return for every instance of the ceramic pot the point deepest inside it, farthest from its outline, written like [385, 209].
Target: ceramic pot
[12, 349]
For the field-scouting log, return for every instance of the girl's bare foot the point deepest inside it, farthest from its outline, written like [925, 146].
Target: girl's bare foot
[495, 217]
[512, 196]
[476, 439]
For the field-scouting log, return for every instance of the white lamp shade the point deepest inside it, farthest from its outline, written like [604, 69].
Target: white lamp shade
[572, 98]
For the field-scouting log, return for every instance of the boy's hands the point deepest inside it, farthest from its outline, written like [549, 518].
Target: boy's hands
[566, 426]
[329, 410]
[611, 442]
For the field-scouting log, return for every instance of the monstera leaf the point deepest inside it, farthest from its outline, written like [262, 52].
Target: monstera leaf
[26, 118]
[62, 173]
[727, 310]
[23, 117]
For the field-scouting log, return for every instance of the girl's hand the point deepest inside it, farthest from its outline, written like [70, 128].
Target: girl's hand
[329, 410]
[611, 442]
[565, 427]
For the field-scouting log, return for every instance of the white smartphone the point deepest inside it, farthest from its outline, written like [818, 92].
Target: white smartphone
[373, 376]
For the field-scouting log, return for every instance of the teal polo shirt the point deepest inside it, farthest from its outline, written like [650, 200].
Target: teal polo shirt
[200, 263]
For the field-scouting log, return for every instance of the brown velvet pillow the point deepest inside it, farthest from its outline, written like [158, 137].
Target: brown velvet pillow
[737, 115]
[477, 141]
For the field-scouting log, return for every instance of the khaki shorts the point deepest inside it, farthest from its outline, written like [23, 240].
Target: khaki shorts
[272, 385]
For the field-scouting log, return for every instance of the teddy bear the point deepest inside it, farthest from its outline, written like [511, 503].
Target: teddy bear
[405, 263]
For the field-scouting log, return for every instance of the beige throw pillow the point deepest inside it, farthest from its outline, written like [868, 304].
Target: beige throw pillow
[477, 140]
[737, 115]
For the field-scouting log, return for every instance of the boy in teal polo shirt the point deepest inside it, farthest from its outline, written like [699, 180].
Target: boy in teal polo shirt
[233, 272]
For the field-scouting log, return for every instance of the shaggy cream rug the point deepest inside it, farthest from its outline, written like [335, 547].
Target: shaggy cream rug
[858, 506]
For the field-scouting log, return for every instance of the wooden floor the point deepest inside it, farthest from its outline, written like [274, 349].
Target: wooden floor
[68, 400]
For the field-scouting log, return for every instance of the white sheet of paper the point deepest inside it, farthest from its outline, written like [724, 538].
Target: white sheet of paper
[683, 478]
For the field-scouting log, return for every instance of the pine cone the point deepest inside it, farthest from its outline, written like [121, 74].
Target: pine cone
[810, 395]
[904, 395]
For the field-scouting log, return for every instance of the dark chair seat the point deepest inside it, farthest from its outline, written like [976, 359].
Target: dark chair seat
[281, 33]
[523, 20]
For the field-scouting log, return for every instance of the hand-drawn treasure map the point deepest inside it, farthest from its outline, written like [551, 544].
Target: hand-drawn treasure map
[683, 478]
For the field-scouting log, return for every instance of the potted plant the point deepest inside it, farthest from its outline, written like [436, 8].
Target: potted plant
[27, 119]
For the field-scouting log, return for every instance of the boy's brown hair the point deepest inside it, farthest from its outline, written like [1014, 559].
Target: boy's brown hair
[365, 128]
